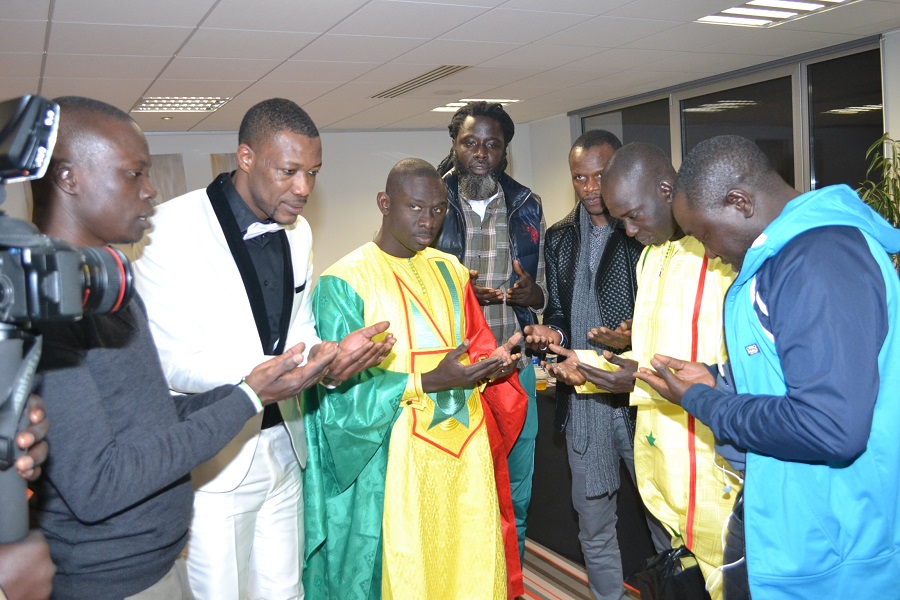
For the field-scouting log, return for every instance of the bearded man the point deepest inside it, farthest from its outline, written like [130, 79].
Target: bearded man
[495, 226]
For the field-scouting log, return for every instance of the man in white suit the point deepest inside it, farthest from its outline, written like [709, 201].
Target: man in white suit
[226, 276]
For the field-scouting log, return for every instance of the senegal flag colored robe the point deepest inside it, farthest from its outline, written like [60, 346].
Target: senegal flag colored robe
[678, 312]
[404, 500]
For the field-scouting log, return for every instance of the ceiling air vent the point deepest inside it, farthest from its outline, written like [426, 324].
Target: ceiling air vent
[424, 79]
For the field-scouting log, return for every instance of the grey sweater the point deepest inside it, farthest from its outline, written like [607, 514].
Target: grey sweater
[115, 500]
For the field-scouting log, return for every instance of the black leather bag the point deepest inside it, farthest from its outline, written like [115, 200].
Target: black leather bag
[670, 575]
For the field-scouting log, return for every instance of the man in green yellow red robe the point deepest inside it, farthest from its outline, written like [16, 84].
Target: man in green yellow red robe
[407, 493]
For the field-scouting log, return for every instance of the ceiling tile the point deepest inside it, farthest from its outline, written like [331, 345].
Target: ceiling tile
[690, 36]
[26, 9]
[385, 114]
[710, 63]
[188, 87]
[863, 18]
[515, 26]
[582, 7]
[561, 78]
[222, 69]
[617, 59]
[682, 10]
[78, 38]
[429, 120]
[301, 93]
[481, 3]
[314, 16]
[777, 42]
[332, 108]
[20, 65]
[88, 65]
[541, 55]
[609, 32]
[456, 52]
[526, 90]
[153, 122]
[237, 43]
[22, 36]
[18, 86]
[357, 48]
[158, 12]
[123, 93]
[333, 55]
[487, 76]
[383, 17]
[320, 70]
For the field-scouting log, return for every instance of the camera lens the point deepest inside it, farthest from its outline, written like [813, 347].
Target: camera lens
[108, 281]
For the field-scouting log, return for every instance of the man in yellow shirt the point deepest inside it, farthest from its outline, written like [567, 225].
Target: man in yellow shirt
[678, 310]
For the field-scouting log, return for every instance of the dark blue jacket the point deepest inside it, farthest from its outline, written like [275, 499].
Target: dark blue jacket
[524, 214]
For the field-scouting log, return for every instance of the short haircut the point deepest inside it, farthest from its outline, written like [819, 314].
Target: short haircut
[77, 116]
[720, 164]
[647, 161]
[597, 137]
[269, 117]
[407, 169]
[88, 107]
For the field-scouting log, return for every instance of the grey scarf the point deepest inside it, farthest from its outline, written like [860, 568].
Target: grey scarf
[591, 414]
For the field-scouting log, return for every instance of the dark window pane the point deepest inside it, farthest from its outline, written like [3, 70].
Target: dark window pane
[648, 122]
[845, 117]
[760, 112]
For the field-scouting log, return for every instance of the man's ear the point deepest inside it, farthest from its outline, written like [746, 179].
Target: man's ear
[64, 176]
[665, 189]
[383, 202]
[741, 201]
[245, 157]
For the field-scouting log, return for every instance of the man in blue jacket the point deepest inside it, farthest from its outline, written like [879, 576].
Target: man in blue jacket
[811, 328]
[495, 226]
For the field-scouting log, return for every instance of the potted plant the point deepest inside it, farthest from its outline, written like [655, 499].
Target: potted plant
[881, 189]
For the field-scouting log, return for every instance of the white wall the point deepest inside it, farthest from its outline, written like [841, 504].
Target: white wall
[551, 139]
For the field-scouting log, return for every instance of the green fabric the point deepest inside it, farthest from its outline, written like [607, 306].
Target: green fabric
[346, 491]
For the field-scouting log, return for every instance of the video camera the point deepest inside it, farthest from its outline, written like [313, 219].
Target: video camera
[41, 279]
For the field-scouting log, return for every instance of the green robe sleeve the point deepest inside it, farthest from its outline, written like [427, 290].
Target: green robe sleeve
[356, 417]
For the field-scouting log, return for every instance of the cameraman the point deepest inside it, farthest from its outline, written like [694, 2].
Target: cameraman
[26, 571]
[116, 498]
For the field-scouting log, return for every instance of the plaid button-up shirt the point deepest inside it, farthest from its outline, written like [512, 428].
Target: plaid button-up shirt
[487, 251]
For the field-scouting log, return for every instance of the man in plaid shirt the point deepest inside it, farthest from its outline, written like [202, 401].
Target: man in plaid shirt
[495, 226]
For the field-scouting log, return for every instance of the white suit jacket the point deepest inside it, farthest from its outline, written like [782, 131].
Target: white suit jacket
[203, 324]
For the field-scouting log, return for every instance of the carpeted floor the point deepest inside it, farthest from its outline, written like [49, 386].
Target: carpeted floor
[549, 576]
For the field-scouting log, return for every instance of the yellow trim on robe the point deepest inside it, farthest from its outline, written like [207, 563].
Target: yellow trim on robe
[441, 522]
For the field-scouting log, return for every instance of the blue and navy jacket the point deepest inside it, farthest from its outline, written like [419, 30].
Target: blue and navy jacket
[827, 527]
[523, 213]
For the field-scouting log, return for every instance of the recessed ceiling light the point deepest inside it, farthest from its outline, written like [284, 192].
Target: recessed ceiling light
[455, 106]
[768, 13]
[759, 12]
[180, 104]
[804, 6]
[745, 21]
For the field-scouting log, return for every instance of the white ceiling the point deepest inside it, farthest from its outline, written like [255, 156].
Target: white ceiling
[332, 56]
